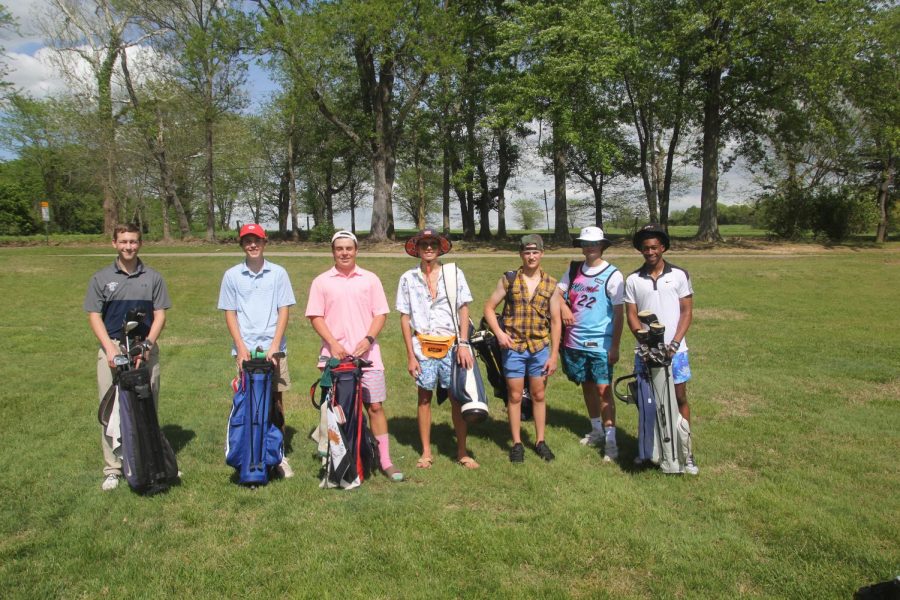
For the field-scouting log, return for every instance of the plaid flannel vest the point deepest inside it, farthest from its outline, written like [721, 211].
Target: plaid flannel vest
[527, 319]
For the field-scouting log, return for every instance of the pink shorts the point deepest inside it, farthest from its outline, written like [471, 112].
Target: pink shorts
[374, 388]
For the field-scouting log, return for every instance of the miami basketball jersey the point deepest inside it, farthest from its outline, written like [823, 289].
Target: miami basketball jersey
[593, 311]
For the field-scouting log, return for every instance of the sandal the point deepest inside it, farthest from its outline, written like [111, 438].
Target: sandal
[424, 462]
[467, 462]
[393, 474]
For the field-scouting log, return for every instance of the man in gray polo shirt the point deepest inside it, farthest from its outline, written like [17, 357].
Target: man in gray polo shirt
[122, 286]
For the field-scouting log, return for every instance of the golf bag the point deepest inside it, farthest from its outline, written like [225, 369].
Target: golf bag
[664, 436]
[485, 345]
[352, 451]
[466, 385]
[148, 461]
[467, 388]
[254, 445]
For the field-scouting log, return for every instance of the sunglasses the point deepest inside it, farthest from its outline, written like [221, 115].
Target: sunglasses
[591, 244]
[430, 244]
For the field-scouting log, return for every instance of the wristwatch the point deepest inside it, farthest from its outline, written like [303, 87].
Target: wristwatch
[371, 340]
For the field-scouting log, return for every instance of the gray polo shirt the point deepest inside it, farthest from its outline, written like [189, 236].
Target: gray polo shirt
[112, 292]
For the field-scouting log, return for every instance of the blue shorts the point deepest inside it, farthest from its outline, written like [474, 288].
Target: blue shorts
[517, 364]
[581, 366]
[681, 368]
[435, 372]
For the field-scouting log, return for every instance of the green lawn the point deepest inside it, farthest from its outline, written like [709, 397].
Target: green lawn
[796, 403]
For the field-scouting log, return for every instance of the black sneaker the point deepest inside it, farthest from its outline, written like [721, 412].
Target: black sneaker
[544, 451]
[517, 454]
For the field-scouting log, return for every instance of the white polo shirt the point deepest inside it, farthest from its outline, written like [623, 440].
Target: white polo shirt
[661, 296]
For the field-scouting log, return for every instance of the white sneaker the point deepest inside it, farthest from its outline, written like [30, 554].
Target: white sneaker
[286, 471]
[610, 452]
[690, 467]
[110, 483]
[594, 438]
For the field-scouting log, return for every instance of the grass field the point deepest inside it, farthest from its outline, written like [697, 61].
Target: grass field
[796, 403]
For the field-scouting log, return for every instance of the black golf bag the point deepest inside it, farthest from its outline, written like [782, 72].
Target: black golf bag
[486, 347]
[254, 444]
[352, 451]
[664, 436]
[148, 461]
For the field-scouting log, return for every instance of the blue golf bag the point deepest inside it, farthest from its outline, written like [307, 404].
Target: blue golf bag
[254, 445]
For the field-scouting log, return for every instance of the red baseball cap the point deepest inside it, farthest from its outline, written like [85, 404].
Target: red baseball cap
[252, 229]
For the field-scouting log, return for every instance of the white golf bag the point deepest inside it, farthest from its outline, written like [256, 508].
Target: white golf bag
[664, 436]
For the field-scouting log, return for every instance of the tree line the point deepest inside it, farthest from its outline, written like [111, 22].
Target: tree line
[424, 105]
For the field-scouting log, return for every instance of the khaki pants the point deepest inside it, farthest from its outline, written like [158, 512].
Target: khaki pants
[112, 460]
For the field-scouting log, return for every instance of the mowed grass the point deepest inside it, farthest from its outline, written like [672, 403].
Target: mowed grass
[795, 400]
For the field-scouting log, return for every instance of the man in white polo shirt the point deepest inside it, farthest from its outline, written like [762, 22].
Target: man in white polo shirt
[665, 290]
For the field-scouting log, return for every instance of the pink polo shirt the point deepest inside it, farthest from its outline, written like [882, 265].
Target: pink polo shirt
[348, 303]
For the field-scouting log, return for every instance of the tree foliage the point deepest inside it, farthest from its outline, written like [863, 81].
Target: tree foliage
[415, 103]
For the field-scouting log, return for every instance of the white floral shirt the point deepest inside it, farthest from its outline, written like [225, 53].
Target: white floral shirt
[427, 315]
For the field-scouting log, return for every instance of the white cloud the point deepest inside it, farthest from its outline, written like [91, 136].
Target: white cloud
[27, 35]
[34, 74]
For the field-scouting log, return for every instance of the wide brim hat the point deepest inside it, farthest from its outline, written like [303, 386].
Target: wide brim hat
[648, 231]
[412, 244]
[591, 234]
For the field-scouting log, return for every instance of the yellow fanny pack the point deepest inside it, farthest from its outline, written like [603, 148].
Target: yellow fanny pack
[435, 346]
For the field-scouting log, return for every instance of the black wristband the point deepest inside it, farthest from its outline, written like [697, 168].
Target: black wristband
[371, 340]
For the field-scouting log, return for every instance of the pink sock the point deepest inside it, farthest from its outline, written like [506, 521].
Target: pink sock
[383, 451]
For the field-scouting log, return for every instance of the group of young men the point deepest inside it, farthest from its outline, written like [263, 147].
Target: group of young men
[347, 308]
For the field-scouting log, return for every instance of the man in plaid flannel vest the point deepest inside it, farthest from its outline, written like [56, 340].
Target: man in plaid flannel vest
[529, 338]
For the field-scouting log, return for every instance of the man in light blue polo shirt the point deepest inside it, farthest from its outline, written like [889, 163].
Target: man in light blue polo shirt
[256, 296]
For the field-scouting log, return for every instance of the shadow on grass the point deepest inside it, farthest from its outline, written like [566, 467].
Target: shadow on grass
[579, 424]
[443, 437]
[178, 437]
[289, 433]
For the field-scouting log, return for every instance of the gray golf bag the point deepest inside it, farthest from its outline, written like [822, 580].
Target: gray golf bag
[664, 436]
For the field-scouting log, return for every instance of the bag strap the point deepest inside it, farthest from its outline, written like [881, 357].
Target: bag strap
[324, 381]
[510, 280]
[574, 269]
[451, 292]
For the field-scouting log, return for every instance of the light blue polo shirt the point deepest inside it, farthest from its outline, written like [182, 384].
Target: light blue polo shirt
[256, 297]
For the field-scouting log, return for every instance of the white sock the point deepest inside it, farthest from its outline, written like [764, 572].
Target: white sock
[611, 435]
[597, 424]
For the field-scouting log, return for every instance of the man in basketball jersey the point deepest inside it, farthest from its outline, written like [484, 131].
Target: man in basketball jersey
[593, 316]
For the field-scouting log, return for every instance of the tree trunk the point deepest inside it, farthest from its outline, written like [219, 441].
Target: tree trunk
[884, 191]
[166, 229]
[108, 128]
[504, 172]
[484, 201]
[378, 100]
[420, 187]
[597, 186]
[709, 186]
[292, 183]
[643, 127]
[210, 193]
[445, 192]
[284, 200]
[561, 220]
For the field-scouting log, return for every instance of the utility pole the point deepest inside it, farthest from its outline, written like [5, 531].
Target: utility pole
[547, 211]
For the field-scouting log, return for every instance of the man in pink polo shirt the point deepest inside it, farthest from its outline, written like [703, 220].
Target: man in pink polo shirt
[347, 308]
